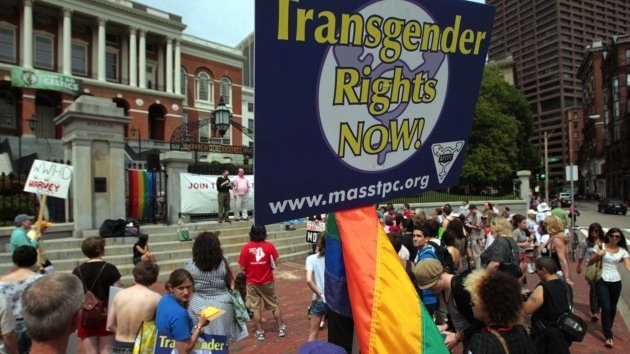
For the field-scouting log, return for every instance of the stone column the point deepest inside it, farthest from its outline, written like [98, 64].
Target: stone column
[67, 42]
[142, 59]
[94, 141]
[175, 162]
[523, 176]
[101, 50]
[27, 23]
[177, 68]
[133, 58]
[169, 65]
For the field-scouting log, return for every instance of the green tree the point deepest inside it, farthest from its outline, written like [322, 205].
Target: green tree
[499, 141]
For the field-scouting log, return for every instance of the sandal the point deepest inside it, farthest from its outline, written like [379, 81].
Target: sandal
[282, 331]
[260, 335]
[609, 343]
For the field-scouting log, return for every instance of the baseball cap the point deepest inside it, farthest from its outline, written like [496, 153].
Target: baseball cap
[427, 273]
[22, 217]
[472, 206]
[321, 348]
[531, 212]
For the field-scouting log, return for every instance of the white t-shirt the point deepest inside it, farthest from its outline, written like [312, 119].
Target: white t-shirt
[404, 253]
[317, 265]
[610, 273]
[7, 322]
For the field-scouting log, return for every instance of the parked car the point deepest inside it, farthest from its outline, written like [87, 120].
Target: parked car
[565, 199]
[616, 206]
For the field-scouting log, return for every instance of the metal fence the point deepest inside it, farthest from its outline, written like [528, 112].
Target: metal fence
[158, 199]
[444, 197]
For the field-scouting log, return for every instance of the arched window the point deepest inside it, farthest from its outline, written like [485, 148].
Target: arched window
[184, 82]
[226, 91]
[204, 88]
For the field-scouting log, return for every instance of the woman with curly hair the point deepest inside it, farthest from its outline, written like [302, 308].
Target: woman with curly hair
[209, 271]
[496, 301]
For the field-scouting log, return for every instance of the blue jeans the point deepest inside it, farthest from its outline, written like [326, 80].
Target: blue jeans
[608, 295]
[23, 340]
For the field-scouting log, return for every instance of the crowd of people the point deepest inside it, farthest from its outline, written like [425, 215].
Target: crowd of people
[468, 265]
[39, 311]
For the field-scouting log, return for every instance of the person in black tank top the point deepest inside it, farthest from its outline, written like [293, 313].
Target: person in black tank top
[556, 246]
[546, 303]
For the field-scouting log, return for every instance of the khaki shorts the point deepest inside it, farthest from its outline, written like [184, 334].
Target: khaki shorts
[265, 292]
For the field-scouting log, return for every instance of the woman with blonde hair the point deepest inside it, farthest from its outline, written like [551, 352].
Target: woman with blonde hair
[496, 301]
[555, 247]
[503, 252]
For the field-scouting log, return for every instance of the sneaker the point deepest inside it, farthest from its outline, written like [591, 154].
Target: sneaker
[260, 335]
[282, 331]
[594, 317]
[220, 221]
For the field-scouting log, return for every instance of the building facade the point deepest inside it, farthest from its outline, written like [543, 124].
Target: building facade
[52, 51]
[591, 157]
[546, 39]
[616, 80]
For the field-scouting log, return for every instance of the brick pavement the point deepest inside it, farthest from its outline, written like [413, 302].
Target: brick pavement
[295, 297]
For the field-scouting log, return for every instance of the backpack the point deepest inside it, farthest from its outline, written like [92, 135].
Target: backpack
[444, 257]
[93, 311]
[112, 228]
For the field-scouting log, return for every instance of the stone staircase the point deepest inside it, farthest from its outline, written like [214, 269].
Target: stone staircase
[170, 253]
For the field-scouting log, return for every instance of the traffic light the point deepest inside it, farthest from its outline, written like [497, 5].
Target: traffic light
[543, 176]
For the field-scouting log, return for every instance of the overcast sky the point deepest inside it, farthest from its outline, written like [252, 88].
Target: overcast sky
[223, 21]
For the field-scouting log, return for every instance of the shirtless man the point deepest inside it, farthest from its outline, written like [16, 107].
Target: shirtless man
[133, 305]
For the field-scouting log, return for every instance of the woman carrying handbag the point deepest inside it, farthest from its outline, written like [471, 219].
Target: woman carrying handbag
[593, 271]
[209, 272]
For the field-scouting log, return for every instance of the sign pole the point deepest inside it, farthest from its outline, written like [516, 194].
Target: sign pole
[41, 255]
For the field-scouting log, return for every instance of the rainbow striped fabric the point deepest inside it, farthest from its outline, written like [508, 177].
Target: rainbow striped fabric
[141, 189]
[388, 314]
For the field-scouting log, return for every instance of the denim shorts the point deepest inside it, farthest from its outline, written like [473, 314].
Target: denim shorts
[319, 308]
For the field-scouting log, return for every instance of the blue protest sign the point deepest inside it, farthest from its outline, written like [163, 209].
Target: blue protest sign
[206, 344]
[359, 102]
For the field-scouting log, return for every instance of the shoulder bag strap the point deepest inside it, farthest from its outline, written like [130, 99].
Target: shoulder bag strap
[566, 286]
[95, 279]
[501, 340]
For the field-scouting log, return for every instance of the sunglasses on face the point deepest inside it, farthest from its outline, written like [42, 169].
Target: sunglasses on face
[615, 236]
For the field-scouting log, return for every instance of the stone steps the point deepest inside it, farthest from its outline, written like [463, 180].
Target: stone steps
[170, 253]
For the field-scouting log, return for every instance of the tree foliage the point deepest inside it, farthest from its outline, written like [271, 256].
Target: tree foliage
[499, 141]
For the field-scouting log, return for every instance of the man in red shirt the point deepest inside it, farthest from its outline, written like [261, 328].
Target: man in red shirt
[258, 260]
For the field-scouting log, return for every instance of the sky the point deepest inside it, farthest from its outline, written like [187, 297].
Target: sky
[223, 21]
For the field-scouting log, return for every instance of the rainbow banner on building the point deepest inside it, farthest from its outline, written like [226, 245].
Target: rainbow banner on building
[387, 311]
[141, 194]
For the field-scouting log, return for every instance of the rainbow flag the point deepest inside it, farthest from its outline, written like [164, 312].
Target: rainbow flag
[388, 314]
[141, 194]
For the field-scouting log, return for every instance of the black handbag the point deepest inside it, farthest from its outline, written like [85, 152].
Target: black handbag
[571, 325]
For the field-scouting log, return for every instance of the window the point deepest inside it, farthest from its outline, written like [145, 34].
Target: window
[7, 44]
[226, 91]
[111, 65]
[204, 89]
[184, 81]
[627, 56]
[79, 59]
[250, 107]
[8, 113]
[44, 52]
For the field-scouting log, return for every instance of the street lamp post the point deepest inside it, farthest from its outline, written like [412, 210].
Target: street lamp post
[222, 117]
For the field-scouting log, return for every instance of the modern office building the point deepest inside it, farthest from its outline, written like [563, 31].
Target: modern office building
[547, 39]
[52, 51]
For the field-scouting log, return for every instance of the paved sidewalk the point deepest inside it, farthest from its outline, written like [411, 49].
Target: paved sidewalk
[295, 297]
